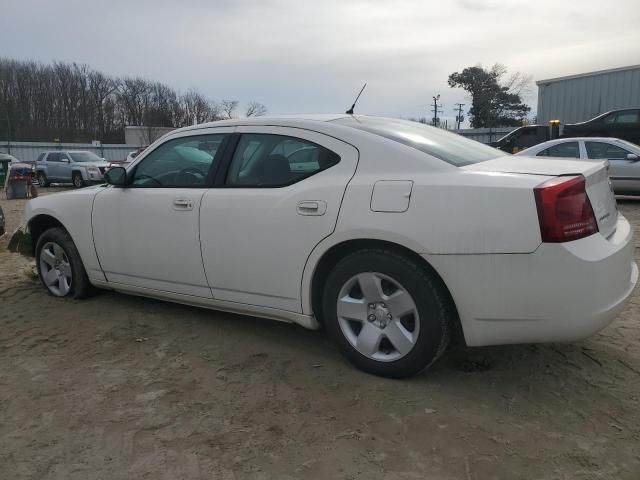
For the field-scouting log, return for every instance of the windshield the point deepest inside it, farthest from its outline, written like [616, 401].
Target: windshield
[84, 157]
[449, 147]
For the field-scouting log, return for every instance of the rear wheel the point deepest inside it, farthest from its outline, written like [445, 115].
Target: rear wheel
[389, 316]
[59, 265]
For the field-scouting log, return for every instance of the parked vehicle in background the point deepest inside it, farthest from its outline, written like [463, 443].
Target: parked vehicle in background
[391, 234]
[623, 157]
[522, 137]
[9, 158]
[79, 167]
[19, 181]
[132, 155]
[2, 222]
[623, 124]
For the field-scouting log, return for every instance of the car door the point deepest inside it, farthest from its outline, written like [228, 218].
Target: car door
[624, 173]
[147, 233]
[54, 166]
[276, 199]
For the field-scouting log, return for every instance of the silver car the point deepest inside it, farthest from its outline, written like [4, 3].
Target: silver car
[623, 156]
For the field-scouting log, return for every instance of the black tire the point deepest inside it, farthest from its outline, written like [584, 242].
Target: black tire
[80, 287]
[432, 301]
[77, 180]
[42, 179]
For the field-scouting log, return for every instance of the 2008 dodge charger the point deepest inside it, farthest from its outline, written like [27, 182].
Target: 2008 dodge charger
[388, 233]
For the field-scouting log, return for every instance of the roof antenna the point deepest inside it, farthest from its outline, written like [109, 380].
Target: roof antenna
[350, 111]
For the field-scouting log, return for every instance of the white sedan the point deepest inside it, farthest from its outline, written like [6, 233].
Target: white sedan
[623, 157]
[390, 234]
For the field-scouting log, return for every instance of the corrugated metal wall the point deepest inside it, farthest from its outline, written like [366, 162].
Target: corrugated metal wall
[583, 97]
[484, 135]
[29, 151]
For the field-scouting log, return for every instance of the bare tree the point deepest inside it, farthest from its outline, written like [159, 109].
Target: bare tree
[227, 108]
[255, 109]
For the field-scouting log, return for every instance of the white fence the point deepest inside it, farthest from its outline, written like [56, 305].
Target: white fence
[485, 135]
[29, 151]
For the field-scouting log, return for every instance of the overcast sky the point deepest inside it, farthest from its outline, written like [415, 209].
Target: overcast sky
[313, 56]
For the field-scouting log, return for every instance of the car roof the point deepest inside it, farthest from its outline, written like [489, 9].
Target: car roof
[268, 120]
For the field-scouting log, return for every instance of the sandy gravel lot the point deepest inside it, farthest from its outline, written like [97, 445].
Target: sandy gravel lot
[119, 387]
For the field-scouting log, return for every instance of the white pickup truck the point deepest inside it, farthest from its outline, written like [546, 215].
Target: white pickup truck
[79, 167]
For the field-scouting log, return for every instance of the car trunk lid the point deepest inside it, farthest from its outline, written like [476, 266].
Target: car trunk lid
[598, 186]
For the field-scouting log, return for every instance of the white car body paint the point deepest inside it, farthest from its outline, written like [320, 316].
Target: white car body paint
[250, 250]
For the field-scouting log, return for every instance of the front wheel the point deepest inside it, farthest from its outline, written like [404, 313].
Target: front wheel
[390, 316]
[78, 182]
[59, 265]
[42, 180]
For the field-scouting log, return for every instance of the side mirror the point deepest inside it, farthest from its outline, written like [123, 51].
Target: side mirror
[632, 157]
[65, 159]
[116, 176]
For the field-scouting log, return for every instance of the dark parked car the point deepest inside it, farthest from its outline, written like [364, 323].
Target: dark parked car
[624, 124]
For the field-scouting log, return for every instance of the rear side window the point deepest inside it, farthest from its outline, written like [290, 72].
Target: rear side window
[449, 147]
[264, 160]
[624, 117]
[601, 150]
[564, 150]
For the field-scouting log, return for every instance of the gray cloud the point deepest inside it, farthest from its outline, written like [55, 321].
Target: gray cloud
[314, 56]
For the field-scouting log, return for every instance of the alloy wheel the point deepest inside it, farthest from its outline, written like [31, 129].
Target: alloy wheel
[55, 269]
[378, 316]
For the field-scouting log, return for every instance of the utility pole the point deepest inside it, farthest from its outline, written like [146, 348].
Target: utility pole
[436, 109]
[459, 116]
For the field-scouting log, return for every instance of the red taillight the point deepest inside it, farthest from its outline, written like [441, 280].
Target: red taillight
[564, 210]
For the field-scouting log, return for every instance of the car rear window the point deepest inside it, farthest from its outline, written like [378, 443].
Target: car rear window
[449, 147]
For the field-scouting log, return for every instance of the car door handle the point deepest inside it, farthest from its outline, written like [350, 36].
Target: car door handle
[182, 204]
[311, 207]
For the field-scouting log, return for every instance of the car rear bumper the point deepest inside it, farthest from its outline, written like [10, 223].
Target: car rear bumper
[561, 292]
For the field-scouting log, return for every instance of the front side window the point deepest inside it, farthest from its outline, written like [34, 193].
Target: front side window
[601, 150]
[54, 157]
[84, 157]
[264, 160]
[563, 150]
[449, 147]
[179, 163]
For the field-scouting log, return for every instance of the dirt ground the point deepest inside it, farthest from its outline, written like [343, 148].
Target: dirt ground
[119, 387]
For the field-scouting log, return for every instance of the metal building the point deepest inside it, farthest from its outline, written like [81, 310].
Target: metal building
[577, 98]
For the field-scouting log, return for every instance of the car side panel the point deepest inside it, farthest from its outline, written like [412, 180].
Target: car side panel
[73, 210]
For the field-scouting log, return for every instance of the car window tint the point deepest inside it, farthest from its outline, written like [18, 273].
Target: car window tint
[566, 150]
[446, 146]
[53, 157]
[627, 117]
[179, 163]
[40, 157]
[263, 160]
[601, 150]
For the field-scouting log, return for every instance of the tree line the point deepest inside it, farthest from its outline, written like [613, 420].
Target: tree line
[75, 103]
